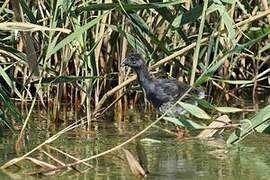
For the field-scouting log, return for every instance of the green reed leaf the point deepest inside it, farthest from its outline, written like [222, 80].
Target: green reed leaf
[79, 31]
[194, 110]
[8, 80]
[127, 6]
[184, 122]
[192, 15]
[261, 117]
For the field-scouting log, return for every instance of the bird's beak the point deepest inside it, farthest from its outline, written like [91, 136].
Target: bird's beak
[124, 62]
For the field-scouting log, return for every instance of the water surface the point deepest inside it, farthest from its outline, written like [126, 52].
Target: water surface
[168, 157]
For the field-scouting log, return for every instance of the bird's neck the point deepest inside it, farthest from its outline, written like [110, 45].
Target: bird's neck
[143, 76]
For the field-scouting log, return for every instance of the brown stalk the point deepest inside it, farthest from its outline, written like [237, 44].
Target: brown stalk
[68, 155]
[40, 163]
[52, 157]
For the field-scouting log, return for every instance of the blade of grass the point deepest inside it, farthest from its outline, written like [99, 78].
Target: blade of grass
[7, 79]
[261, 117]
[194, 110]
[198, 44]
[127, 6]
[184, 122]
[73, 36]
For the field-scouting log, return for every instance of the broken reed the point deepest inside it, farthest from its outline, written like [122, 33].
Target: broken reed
[71, 52]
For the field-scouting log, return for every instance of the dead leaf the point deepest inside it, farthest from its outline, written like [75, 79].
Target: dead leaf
[214, 127]
[134, 165]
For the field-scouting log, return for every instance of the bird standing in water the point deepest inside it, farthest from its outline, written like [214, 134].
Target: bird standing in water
[162, 93]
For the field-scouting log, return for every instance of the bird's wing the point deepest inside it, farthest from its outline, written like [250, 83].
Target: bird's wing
[167, 90]
[172, 90]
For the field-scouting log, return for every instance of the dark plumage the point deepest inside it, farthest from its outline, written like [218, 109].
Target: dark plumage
[162, 93]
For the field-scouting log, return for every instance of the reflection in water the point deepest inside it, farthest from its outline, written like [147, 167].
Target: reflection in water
[168, 158]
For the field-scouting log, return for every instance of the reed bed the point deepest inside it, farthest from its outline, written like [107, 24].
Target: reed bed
[69, 52]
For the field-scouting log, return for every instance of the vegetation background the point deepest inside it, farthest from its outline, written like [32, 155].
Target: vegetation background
[58, 54]
[67, 53]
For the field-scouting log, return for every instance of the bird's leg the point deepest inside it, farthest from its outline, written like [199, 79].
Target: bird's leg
[181, 132]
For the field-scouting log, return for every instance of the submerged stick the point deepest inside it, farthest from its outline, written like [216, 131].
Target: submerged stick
[68, 155]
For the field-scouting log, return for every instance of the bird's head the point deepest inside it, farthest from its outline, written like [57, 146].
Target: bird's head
[133, 60]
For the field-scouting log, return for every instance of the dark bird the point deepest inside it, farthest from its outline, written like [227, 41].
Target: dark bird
[162, 93]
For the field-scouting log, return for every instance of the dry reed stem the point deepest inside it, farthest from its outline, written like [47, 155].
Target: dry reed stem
[51, 139]
[40, 163]
[52, 157]
[68, 155]
[108, 107]
[19, 140]
[100, 33]
[170, 57]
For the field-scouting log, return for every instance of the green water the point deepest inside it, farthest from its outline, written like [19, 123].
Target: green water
[168, 158]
